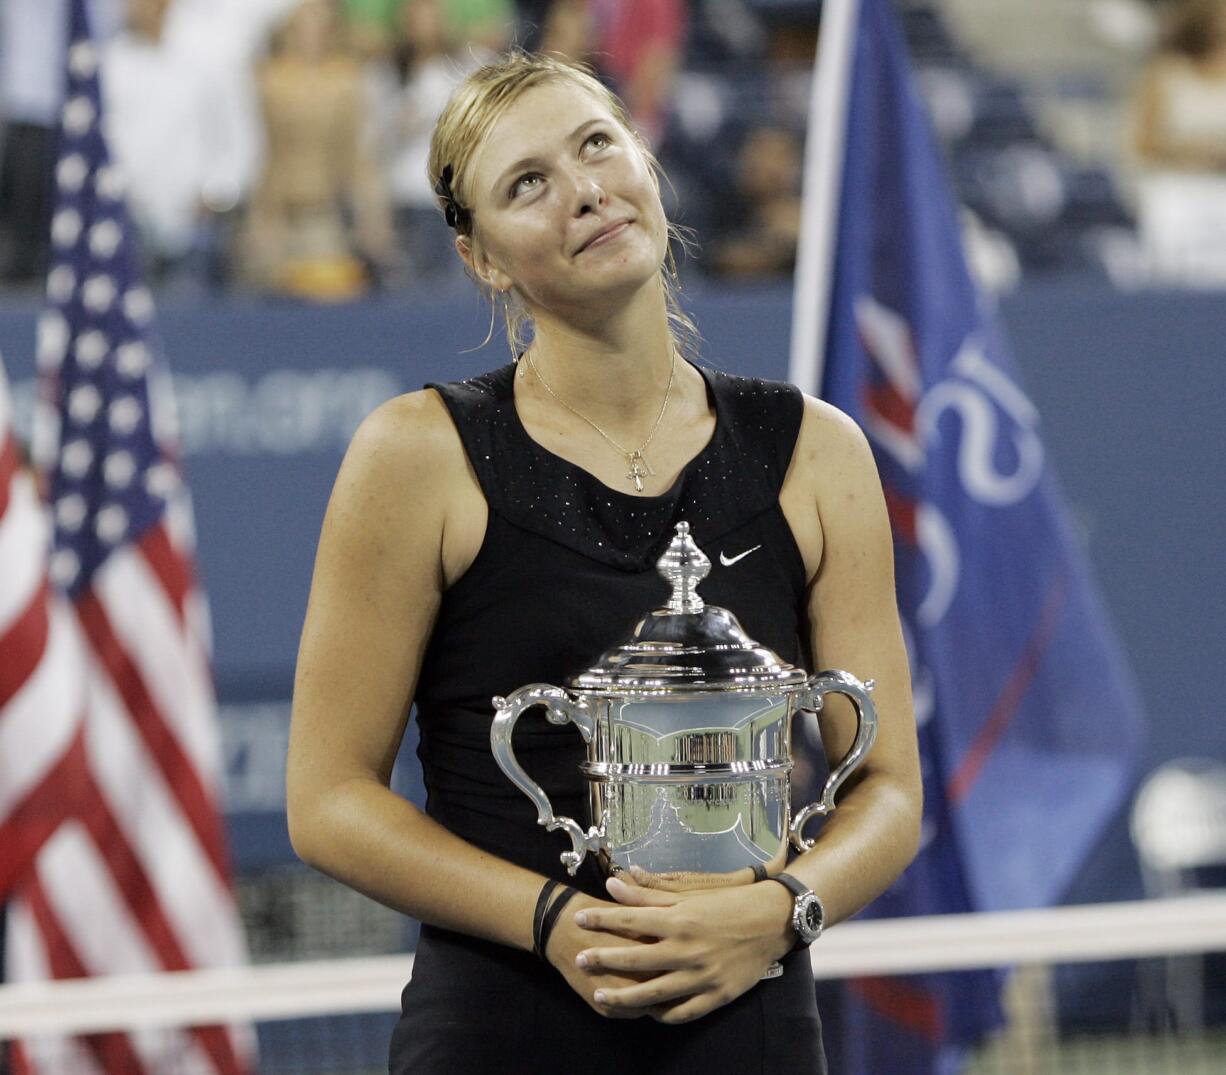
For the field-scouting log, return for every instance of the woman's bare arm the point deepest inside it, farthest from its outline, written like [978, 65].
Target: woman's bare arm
[853, 617]
[715, 944]
[404, 519]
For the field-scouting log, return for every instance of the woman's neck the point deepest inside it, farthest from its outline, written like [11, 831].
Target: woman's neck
[615, 369]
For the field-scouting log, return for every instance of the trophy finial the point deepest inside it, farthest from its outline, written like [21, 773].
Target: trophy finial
[684, 565]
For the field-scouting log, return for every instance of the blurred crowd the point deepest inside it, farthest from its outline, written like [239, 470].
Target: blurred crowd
[1180, 141]
[279, 146]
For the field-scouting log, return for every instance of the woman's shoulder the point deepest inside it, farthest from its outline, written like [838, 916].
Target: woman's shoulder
[406, 443]
[831, 426]
[831, 445]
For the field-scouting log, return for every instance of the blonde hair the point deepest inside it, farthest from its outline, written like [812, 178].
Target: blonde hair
[477, 104]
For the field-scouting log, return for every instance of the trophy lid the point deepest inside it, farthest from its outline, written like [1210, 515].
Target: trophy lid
[687, 644]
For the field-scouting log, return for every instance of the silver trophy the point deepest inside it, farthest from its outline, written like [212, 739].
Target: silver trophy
[689, 734]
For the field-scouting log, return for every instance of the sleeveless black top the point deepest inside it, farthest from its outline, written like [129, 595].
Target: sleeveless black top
[566, 568]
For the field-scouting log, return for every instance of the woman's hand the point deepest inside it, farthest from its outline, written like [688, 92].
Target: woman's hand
[566, 942]
[710, 946]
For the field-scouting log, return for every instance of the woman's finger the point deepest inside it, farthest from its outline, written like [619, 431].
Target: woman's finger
[649, 994]
[626, 921]
[686, 1010]
[635, 959]
[631, 894]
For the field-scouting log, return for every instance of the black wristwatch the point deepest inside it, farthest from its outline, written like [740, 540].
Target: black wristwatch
[808, 915]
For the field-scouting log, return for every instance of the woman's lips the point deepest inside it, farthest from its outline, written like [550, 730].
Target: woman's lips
[611, 232]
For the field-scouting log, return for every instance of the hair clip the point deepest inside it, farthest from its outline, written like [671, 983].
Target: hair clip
[456, 215]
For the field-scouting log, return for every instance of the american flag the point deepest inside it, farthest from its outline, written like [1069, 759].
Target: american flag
[109, 753]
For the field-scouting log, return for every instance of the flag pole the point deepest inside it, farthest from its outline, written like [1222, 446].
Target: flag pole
[823, 176]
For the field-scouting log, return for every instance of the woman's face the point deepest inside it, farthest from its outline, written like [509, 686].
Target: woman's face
[565, 206]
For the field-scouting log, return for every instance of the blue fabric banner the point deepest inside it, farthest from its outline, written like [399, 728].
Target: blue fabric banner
[1029, 724]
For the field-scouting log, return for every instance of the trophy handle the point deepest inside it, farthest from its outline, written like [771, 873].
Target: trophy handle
[810, 699]
[560, 707]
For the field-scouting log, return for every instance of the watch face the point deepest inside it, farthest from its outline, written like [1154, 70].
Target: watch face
[812, 916]
[807, 917]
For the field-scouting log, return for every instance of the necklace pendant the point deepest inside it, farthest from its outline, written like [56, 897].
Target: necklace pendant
[639, 468]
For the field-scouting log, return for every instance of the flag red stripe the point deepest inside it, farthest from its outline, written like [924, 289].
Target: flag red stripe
[130, 878]
[8, 468]
[902, 514]
[1010, 700]
[55, 797]
[215, 1041]
[138, 892]
[172, 570]
[113, 1050]
[891, 405]
[24, 643]
[181, 776]
[18, 1063]
[905, 1004]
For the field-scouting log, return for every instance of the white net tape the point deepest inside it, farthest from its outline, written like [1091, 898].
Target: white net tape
[1095, 933]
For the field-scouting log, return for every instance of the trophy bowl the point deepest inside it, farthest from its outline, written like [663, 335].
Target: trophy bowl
[688, 726]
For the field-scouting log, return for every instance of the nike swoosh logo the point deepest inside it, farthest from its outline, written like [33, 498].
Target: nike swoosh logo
[728, 561]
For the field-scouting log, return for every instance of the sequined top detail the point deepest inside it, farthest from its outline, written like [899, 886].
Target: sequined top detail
[737, 474]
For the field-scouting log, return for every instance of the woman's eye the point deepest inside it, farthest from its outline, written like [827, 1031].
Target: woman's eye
[525, 183]
[599, 140]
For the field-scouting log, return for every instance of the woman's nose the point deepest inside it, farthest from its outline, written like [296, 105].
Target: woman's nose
[588, 194]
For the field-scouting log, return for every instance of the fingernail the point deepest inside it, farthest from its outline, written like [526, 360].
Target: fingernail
[581, 959]
[599, 996]
[581, 918]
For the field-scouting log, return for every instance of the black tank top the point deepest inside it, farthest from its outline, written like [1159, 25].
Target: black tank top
[566, 568]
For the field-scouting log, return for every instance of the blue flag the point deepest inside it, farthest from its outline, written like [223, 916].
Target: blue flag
[1029, 725]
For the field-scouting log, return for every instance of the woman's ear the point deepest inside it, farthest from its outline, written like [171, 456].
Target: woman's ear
[480, 265]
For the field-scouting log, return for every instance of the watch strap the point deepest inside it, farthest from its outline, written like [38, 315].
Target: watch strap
[800, 891]
[793, 884]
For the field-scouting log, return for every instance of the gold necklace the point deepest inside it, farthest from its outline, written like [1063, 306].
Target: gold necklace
[636, 460]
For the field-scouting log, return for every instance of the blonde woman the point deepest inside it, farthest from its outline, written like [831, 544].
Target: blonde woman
[504, 530]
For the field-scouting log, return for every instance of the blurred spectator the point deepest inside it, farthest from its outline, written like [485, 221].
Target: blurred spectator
[372, 27]
[1181, 142]
[482, 25]
[31, 40]
[33, 35]
[439, 42]
[375, 26]
[762, 217]
[318, 223]
[159, 93]
[1181, 120]
[636, 44]
[226, 35]
[569, 29]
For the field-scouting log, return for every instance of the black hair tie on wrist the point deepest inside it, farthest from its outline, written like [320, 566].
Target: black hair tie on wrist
[538, 916]
[551, 917]
[453, 212]
[759, 872]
